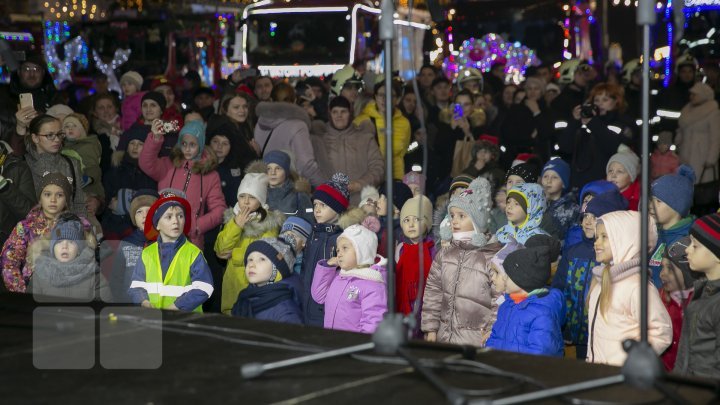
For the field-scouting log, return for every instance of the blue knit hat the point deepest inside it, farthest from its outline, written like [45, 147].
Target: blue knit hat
[676, 190]
[196, 129]
[560, 167]
[607, 202]
[279, 158]
[124, 198]
[68, 228]
[298, 225]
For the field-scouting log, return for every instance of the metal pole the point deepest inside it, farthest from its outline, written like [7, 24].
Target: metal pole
[645, 17]
[387, 33]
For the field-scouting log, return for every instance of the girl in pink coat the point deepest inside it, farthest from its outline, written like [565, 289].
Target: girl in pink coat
[190, 169]
[355, 297]
[614, 298]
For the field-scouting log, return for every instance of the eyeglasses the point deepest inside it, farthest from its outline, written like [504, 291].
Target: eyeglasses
[52, 137]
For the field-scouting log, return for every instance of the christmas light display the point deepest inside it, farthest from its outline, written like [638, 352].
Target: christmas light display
[120, 57]
[482, 53]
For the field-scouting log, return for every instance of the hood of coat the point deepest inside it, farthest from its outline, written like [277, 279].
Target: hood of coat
[535, 202]
[206, 164]
[352, 216]
[623, 230]
[271, 114]
[65, 274]
[697, 114]
[273, 220]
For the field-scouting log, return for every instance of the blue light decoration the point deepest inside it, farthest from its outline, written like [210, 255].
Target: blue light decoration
[273, 29]
[668, 58]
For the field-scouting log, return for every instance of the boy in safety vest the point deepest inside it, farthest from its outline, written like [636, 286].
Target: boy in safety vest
[173, 273]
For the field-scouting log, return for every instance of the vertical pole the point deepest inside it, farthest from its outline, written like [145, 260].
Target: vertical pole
[387, 33]
[645, 17]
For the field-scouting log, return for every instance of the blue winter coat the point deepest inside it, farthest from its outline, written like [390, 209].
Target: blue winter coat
[320, 246]
[531, 326]
[597, 187]
[564, 212]
[573, 278]
[667, 237]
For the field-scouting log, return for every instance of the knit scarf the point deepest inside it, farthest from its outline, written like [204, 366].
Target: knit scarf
[408, 280]
[522, 296]
[253, 299]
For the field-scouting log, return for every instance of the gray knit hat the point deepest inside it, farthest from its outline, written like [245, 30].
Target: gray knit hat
[476, 201]
[279, 253]
[628, 159]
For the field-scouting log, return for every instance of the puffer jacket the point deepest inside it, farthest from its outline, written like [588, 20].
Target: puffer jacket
[459, 300]
[79, 279]
[400, 130]
[131, 109]
[698, 354]
[197, 179]
[698, 139]
[564, 213]
[353, 151]
[530, 326]
[88, 151]
[18, 197]
[42, 163]
[288, 127]
[234, 239]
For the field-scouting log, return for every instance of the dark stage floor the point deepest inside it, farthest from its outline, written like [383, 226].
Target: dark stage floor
[202, 355]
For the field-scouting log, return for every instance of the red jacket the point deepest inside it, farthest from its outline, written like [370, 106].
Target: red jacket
[676, 317]
[632, 194]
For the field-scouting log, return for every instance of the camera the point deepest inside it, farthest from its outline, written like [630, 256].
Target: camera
[588, 110]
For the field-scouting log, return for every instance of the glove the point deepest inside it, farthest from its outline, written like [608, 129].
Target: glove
[4, 182]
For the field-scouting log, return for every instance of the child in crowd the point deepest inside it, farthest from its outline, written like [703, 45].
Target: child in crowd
[85, 147]
[296, 231]
[561, 201]
[287, 193]
[251, 220]
[369, 197]
[590, 190]
[574, 271]
[663, 160]
[498, 219]
[614, 297]
[521, 173]
[131, 83]
[131, 247]
[355, 297]
[401, 194]
[524, 209]
[676, 292]
[171, 261]
[530, 318]
[459, 302]
[330, 202]
[273, 291]
[190, 168]
[671, 199]
[623, 169]
[697, 353]
[484, 163]
[442, 229]
[415, 221]
[68, 270]
[415, 181]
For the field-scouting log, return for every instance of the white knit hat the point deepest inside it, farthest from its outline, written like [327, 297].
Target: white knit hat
[255, 184]
[367, 193]
[365, 242]
[133, 77]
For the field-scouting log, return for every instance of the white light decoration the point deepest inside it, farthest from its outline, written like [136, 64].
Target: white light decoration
[298, 70]
[119, 58]
[63, 68]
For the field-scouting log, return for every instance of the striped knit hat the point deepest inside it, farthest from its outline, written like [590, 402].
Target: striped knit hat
[706, 230]
[334, 193]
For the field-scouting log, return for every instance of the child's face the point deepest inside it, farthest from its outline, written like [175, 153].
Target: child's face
[71, 129]
[618, 174]
[671, 276]
[514, 212]
[370, 207]
[498, 278]
[664, 215]
[588, 225]
[663, 147]
[135, 148]
[65, 250]
[484, 156]
[412, 228]
[346, 257]
[460, 220]
[513, 180]
[276, 175]
[603, 253]
[700, 258]
[382, 205]
[189, 147]
[501, 198]
[552, 183]
[324, 214]
[128, 88]
[171, 224]
[140, 216]
[249, 201]
[258, 269]
[52, 200]
[220, 144]
[150, 110]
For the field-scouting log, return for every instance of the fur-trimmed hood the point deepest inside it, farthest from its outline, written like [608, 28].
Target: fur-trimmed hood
[255, 228]
[353, 216]
[207, 163]
[272, 114]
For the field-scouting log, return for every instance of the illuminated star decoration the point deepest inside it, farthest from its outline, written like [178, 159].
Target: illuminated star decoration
[75, 50]
[119, 58]
[483, 52]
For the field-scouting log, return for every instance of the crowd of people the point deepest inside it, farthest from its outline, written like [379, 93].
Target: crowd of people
[265, 198]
